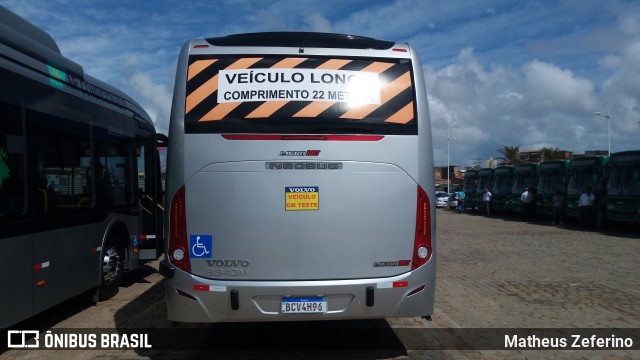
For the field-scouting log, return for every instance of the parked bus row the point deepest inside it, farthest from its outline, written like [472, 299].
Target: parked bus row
[616, 176]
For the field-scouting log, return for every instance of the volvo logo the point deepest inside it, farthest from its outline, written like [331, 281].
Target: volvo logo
[227, 268]
[228, 263]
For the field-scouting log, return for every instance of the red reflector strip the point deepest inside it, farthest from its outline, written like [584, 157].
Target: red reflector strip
[397, 284]
[399, 50]
[41, 266]
[42, 283]
[305, 137]
[216, 288]
[417, 290]
[188, 296]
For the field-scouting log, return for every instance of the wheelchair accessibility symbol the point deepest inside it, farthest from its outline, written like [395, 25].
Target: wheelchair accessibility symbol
[200, 246]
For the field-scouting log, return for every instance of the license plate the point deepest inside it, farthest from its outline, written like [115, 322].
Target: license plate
[314, 305]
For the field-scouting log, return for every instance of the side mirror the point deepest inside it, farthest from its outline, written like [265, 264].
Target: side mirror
[162, 141]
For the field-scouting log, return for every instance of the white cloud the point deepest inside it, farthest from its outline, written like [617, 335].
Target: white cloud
[536, 105]
[155, 97]
[319, 23]
[551, 88]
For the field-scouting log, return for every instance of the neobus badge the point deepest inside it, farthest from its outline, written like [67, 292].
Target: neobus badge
[303, 165]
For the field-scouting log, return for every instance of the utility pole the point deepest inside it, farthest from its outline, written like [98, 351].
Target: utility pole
[449, 139]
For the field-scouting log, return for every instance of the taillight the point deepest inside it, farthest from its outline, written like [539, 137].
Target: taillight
[178, 244]
[422, 244]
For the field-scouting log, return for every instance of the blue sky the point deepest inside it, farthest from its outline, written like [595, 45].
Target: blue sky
[527, 73]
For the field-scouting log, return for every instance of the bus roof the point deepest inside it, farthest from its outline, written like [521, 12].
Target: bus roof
[28, 39]
[527, 167]
[589, 160]
[554, 164]
[632, 156]
[302, 40]
[12, 23]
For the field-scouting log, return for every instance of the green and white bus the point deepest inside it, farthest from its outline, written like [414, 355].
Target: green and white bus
[485, 180]
[470, 188]
[554, 176]
[524, 176]
[623, 187]
[585, 171]
[502, 187]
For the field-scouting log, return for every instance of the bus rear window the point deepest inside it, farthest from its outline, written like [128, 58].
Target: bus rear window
[300, 95]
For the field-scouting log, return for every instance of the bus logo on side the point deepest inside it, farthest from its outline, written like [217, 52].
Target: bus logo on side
[300, 153]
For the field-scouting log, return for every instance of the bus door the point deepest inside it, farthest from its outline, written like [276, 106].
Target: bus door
[151, 191]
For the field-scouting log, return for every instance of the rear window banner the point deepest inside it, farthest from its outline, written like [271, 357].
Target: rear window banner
[296, 95]
[353, 87]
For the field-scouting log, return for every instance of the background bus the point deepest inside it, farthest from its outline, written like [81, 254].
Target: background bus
[585, 171]
[524, 176]
[470, 188]
[485, 180]
[502, 187]
[623, 187]
[79, 177]
[296, 177]
[554, 176]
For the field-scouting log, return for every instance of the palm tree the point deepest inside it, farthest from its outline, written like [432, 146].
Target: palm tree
[549, 153]
[510, 154]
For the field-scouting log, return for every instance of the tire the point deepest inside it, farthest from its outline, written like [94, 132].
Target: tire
[112, 268]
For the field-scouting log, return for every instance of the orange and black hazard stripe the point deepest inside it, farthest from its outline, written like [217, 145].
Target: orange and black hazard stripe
[397, 93]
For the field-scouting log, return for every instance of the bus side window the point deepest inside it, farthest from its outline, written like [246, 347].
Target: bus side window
[61, 162]
[12, 161]
[116, 174]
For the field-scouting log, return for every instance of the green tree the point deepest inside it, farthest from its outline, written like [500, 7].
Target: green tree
[549, 153]
[510, 154]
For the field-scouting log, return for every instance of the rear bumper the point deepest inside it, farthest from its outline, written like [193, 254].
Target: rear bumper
[166, 269]
[194, 299]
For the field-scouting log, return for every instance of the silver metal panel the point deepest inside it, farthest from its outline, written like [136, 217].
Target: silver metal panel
[366, 215]
[258, 299]
[17, 282]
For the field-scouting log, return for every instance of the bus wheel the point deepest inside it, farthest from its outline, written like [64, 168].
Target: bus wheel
[112, 268]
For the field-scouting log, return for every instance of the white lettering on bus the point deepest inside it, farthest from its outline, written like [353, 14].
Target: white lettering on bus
[302, 189]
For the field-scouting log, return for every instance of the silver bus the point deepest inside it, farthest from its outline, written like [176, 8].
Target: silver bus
[79, 178]
[298, 176]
